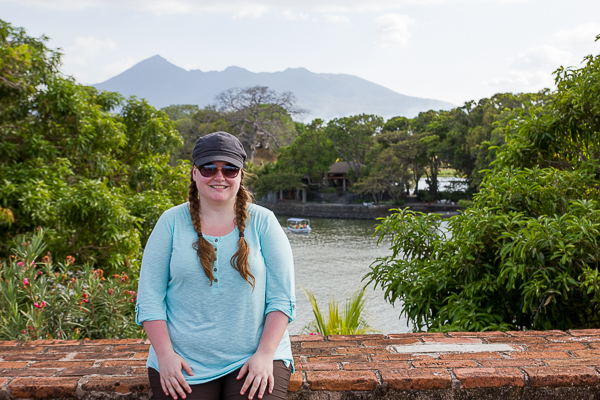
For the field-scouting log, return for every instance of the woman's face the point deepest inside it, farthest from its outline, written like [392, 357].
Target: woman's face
[218, 188]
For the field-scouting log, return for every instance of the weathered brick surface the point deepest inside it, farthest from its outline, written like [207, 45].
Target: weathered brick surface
[43, 388]
[540, 365]
[489, 377]
[562, 376]
[345, 381]
[417, 379]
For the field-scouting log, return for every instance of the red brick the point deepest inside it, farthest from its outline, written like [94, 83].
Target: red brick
[296, 381]
[51, 342]
[594, 345]
[573, 362]
[390, 366]
[517, 340]
[445, 364]
[9, 342]
[306, 338]
[389, 342]
[141, 355]
[317, 366]
[578, 339]
[112, 342]
[452, 340]
[3, 382]
[119, 384]
[587, 353]
[102, 356]
[132, 347]
[401, 357]
[342, 358]
[123, 363]
[585, 332]
[93, 371]
[536, 333]
[562, 376]
[355, 337]
[341, 380]
[489, 377]
[478, 334]
[362, 350]
[415, 335]
[62, 364]
[349, 343]
[471, 356]
[537, 354]
[12, 364]
[520, 362]
[28, 372]
[43, 387]
[76, 349]
[422, 379]
[556, 346]
[33, 357]
[139, 371]
[20, 349]
[325, 351]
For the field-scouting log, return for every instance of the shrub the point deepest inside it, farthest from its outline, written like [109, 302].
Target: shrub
[44, 299]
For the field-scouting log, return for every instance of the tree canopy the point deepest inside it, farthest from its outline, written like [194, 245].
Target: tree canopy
[90, 167]
[525, 256]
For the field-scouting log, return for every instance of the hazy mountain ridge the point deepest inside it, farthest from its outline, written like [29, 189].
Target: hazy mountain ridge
[324, 95]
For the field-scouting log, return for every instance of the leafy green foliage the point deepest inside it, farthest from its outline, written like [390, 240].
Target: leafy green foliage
[525, 255]
[95, 178]
[349, 321]
[43, 299]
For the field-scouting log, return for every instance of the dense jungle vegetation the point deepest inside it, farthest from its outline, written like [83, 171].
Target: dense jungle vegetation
[84, 175]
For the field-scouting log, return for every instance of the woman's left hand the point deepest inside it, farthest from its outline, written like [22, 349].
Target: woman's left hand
[259, 370]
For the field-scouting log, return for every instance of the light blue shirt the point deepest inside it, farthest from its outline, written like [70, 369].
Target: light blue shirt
[217, 328]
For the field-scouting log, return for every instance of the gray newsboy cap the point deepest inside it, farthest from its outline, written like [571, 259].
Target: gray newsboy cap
[219, 146]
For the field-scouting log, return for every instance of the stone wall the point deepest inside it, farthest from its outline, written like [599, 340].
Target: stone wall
[350, 211]
[457, 365]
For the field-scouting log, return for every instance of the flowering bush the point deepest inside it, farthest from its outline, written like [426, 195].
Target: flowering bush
[43, 299]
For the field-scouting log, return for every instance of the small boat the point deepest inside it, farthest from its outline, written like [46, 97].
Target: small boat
[298, 225]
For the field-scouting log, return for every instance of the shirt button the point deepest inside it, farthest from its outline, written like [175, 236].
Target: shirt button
[216, 280]
[216, 240]
[215, 249]
[215, 270]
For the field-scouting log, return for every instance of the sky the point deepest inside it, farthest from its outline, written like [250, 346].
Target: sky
[452, 50]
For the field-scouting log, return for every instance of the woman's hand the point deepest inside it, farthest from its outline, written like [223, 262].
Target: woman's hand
[171, 378]
[259, 369]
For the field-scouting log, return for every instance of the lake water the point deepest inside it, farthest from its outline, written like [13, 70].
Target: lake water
[331, 261]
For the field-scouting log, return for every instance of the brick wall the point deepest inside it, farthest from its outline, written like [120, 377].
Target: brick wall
[459, 365]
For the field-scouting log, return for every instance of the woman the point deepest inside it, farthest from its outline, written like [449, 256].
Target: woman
[216, 289]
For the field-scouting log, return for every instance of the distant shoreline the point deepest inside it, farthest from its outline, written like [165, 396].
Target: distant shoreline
[352, 211]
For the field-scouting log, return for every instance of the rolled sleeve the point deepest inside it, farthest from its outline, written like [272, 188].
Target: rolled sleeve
[154, 273]
[279, 260]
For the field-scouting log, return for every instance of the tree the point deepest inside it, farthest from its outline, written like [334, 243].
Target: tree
[525, 256]
[260, 116]
[353, 136]
[310, 155]
[94, 178]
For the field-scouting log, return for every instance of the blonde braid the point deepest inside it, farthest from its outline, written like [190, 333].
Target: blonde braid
[239, 261]
[204, 250]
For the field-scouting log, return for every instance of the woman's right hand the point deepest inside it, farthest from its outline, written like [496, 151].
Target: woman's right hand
[171, 378]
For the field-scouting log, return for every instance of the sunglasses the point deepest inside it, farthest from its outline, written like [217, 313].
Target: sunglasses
[209, 170]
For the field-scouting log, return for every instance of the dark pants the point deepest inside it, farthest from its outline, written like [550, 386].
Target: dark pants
[227, 387]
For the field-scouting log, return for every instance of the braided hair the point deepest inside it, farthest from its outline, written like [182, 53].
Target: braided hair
[205, 250]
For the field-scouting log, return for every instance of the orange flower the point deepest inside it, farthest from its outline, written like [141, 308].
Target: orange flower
[70, 260]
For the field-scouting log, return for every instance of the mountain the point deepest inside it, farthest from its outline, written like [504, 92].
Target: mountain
[326, 96]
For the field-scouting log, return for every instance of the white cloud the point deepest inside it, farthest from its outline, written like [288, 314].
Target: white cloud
[542, 57]
[92, 60]
[335, 19]
[521, 81]
[294, 16]
[393, 29]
